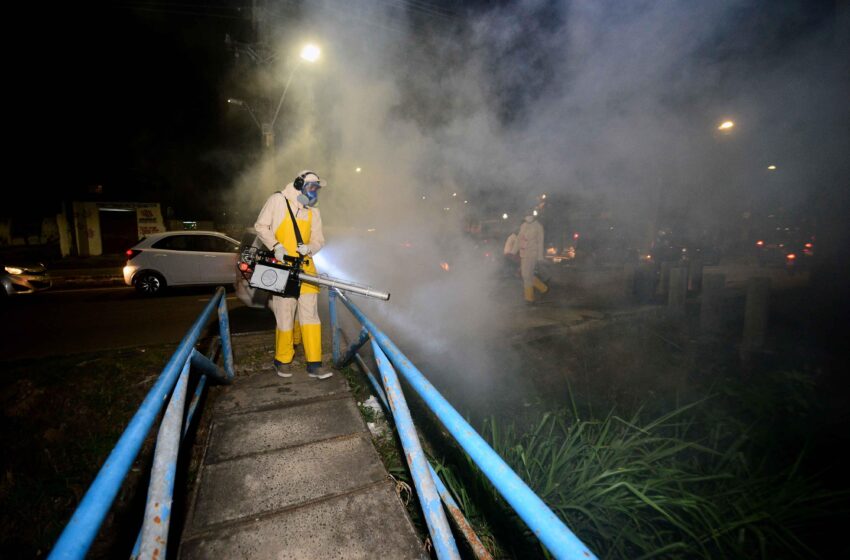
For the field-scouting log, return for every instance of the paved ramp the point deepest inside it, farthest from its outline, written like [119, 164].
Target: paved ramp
[290, 472]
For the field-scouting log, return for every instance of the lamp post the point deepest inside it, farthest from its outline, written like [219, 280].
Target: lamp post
[310, 53]
[241, 103]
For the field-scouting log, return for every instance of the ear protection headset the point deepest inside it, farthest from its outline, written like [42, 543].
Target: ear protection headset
[298, 182]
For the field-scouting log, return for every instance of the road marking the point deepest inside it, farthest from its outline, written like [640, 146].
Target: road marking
[232, 298]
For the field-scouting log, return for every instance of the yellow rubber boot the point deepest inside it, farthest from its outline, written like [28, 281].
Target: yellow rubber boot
[540, 286]
[312, 338]
[529, 295]
[283, 351]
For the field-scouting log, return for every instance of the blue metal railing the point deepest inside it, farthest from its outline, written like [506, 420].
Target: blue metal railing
[555, 536]
[172, 386]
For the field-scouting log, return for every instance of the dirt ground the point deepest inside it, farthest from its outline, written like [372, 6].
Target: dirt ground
[60, 418]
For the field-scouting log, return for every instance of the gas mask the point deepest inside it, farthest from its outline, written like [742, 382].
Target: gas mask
[309, 194]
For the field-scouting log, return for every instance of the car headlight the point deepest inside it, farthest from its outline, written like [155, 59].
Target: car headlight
[14, 270]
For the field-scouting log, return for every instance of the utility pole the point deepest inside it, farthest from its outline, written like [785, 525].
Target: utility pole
[262, 56]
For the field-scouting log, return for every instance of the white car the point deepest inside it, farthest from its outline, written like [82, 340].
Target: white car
[181, 258]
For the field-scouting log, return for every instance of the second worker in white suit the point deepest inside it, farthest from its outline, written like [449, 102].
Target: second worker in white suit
[275, 228]
[530, 241]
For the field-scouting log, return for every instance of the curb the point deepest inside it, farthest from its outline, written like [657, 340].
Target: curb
[85, 281]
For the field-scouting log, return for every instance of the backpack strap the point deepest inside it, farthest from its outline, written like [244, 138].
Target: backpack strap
[294, 223]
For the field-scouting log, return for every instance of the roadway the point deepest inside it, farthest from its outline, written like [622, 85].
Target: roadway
[59, 322]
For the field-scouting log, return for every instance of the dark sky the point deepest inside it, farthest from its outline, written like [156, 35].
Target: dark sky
[126, 96]
[132, 95]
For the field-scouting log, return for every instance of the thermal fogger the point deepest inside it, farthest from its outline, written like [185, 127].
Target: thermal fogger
[264, 272]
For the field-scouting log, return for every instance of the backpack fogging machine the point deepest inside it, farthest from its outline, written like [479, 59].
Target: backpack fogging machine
[264, 272]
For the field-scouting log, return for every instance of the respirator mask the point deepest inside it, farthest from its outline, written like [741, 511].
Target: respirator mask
[309, 194]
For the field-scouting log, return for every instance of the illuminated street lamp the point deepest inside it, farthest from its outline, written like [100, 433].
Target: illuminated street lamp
[310, 53]
[504, 216]
[771, 167]
[357, 170]
[726, 125]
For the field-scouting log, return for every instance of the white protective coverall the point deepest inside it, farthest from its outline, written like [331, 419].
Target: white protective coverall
[530, 253]
[273, 226]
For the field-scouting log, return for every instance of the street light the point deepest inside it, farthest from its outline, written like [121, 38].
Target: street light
[771, 167]
[310, 53]
[240, 103]
[726, 125]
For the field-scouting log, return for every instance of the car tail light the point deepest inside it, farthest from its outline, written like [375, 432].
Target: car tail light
[131, 253]
[790, 256]
[759, 243]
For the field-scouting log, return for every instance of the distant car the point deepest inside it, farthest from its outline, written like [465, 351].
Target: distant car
[23, 278]
[181, 258]
[793, 255]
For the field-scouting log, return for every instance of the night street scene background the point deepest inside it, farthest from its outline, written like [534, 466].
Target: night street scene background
[679, 392]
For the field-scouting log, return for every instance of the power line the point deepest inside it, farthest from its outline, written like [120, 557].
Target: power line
[423, 8]
[183, 9]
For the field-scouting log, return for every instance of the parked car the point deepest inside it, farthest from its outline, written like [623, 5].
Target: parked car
[18, 277]
[181, 258]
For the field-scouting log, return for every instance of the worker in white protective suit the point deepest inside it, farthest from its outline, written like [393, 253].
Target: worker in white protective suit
[530, 240]
[275, 228]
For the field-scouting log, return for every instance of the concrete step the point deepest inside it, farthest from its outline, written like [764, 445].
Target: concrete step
[290, 471]
[267, 482]
[265, 390]
[366, 524]
[250, 433]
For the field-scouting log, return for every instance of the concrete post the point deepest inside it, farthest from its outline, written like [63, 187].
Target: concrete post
[664, 282]
[755, 315]
[711, 306]
[644, 285]
[695, 266]
[678, 291]
[629, 280]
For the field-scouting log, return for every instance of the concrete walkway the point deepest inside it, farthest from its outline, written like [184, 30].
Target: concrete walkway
[290, 472]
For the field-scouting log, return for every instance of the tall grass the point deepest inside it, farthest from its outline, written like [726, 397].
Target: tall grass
[668, 487]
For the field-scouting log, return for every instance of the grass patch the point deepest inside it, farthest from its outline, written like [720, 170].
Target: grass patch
[389, 448]
[61, 418]
[678, 485]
